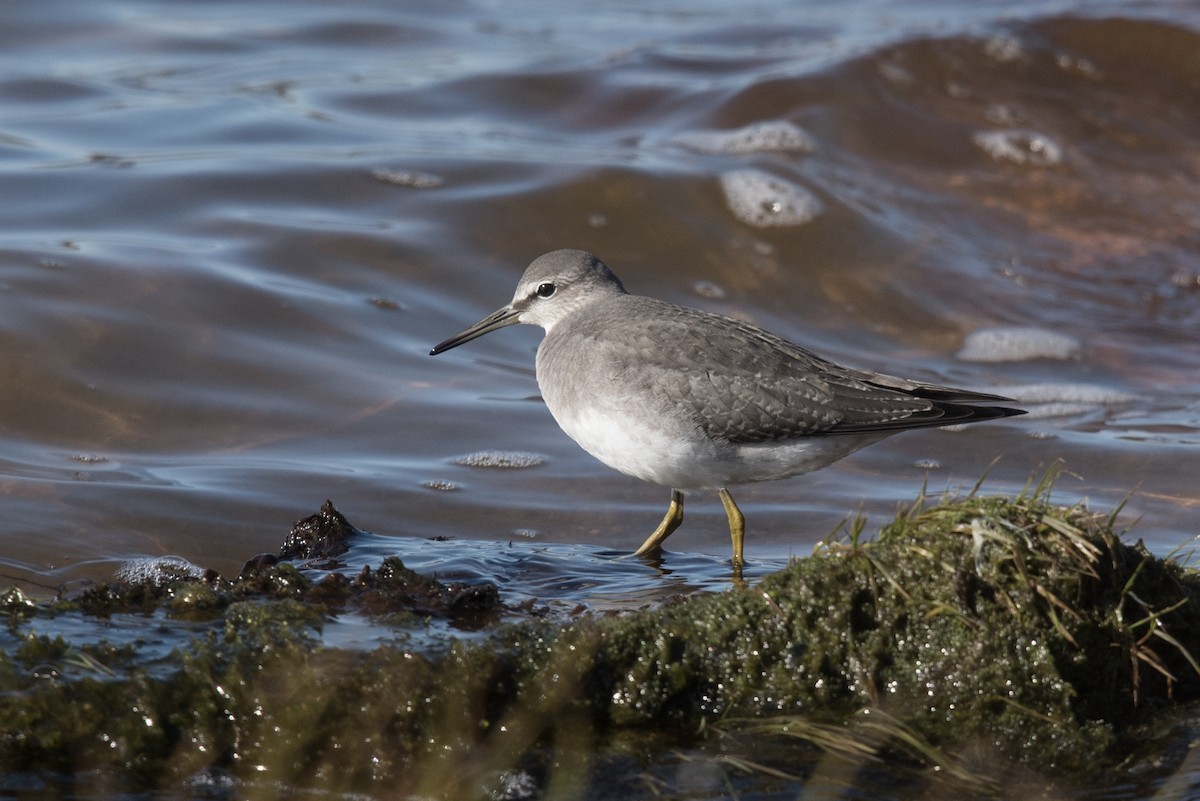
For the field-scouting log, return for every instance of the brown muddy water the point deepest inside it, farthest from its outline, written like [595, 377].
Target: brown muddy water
[230, 233]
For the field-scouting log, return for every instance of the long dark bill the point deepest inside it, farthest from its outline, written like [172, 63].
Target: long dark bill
[500, 318]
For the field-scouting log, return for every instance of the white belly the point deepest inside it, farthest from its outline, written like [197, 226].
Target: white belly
[644, 451]
[691, 461]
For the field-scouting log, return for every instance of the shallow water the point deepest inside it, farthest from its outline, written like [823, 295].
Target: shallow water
[232, 231]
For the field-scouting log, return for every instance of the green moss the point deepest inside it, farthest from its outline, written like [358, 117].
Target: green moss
[1013, 626]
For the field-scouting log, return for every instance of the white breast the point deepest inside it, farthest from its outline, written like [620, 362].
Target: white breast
[643, 451]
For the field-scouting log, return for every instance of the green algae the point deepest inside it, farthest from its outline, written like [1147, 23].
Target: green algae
[1006, 626]
[391, 588]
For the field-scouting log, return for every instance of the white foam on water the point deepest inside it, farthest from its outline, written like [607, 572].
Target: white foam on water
[413, 179]
[158, 569]
[1062, 400]
[769, 136]
[1020, 147]
[1018, 344]
[1003, 48]
[503, 460]
[708, 289]
[1090, 394]
[761, 199]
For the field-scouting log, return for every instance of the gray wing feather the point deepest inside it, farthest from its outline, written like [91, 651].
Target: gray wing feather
[742, 384]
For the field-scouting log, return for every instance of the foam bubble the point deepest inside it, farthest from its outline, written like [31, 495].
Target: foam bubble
[503, 460]
[412, 179]
[1000, 114]
[769, 136]
[1059, 400]
[1018, 344]
[896, 73]
[708, 289]
[1089, 394]
[761, 199]
[1002, 48]
[158, 570]
[1020, 147]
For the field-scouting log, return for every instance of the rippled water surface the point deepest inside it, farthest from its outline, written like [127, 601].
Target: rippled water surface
[230, 233]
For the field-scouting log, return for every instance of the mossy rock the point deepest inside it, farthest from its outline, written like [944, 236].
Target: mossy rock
[1009, 626]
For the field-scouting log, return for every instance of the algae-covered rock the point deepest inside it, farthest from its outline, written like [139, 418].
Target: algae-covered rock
[1025, 627]
[1010, 626]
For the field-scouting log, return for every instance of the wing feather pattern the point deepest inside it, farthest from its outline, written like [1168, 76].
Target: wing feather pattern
[742, 384]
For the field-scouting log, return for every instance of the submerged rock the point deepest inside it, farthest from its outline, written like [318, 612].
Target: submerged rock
[984, 625]
[389, 591]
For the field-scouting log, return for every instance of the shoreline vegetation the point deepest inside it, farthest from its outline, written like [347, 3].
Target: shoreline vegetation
[973, 640]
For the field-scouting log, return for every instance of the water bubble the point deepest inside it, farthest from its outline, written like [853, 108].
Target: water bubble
[1068, 393]
[503, 460]
[761, 199]
[158, 570]
[958, 90]
[770, 136]
[1186, 279]
[1000, 114]
[440, 485]
[895, 73]
[1058, 400]
[1002, 48]
[408, 178]
[1018, 344]
[387, 304]
[1083, 66]
[1020, 147]
[707, 289]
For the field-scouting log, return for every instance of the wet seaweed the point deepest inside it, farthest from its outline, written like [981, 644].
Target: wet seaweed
[972, 637]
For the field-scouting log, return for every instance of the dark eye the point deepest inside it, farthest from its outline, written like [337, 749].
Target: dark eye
[546, 290]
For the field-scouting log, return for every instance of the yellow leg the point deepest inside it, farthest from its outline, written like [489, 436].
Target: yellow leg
[737, 526]
[670, 522]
